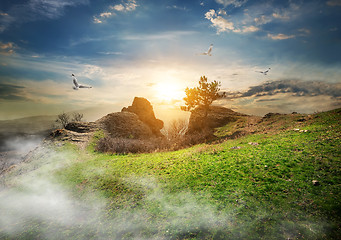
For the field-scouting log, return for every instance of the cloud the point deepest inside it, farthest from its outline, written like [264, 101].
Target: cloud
[106, 14]
[97, 20]
[280, 16]
[35, 10]
[222, 24]
[177, 7]
[7, 48]
[118, 7]
[296, 87]
[235, 3]
[250, 29]
[157, 36]
[128, 6]
[251, 19]
[280, 36]
[285, 96]
[11, 92]
[304, 31]
[262, 20]
[334, 3]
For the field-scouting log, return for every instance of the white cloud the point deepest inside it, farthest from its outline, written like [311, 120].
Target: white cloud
[250, 29]
[236, 3]
[280, 36]
[262, 20]
[280, 16]
[127, 6]
[177, 7]
[118, 7]
[96, 20]
[130, 5]
[222, 24]
[304, 31]
[7, 48]
[106, 14]
[333, 3]
[222, 12]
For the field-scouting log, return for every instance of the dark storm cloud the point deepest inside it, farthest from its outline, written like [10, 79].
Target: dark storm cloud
[11, 92]
[296, 87]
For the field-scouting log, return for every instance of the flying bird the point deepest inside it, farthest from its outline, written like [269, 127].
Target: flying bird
[208, 53]
[76, 84]
[264, 72]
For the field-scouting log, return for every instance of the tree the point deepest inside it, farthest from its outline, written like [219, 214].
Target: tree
[63, 119]
[77, 117]
[203, 95]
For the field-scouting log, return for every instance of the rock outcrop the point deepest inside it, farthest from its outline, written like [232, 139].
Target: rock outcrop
[125, 125]
[217, 117]
[144, 110]
[134, 122]
[82, 127]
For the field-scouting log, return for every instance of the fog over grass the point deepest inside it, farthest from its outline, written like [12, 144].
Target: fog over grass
[35, 204]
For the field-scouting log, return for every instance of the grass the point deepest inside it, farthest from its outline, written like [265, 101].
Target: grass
[215, 191]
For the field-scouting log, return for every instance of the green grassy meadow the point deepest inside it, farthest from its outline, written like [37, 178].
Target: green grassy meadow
[259, 186]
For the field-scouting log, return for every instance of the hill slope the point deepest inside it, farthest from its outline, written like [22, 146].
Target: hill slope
[280, 182]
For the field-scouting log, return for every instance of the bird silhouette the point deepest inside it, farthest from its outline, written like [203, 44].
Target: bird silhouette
[208, 53]
[76, 84]
[264, 72]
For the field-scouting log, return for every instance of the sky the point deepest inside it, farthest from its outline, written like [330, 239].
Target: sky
[151, 49]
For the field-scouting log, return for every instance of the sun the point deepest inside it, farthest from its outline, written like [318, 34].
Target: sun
[168, 91]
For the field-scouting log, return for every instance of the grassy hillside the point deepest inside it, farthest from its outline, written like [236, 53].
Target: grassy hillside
[281, 182]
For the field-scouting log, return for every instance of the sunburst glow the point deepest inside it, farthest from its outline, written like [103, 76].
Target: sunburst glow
[169, 91]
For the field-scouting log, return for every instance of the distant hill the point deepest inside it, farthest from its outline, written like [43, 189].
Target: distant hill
[27, 125]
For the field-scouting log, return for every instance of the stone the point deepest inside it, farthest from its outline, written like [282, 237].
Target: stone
[81, 127]
[270, 115]
[316, 182]
[125, 125]
[217, 117]
[144, 110]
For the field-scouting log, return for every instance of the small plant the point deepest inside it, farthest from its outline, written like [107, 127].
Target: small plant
[64, 119]
[128, 145]
[176, 130]
[77, 117]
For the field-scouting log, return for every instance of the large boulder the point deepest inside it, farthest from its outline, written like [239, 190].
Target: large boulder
[216, 117]
[125, 125]
[144, 110]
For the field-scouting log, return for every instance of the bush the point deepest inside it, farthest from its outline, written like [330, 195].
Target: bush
[127, 145]
[64, 119]
[176, 130]
[175, 138]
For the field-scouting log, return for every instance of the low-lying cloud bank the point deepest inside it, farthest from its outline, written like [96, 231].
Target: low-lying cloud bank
[296, 87]
[285, 96]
